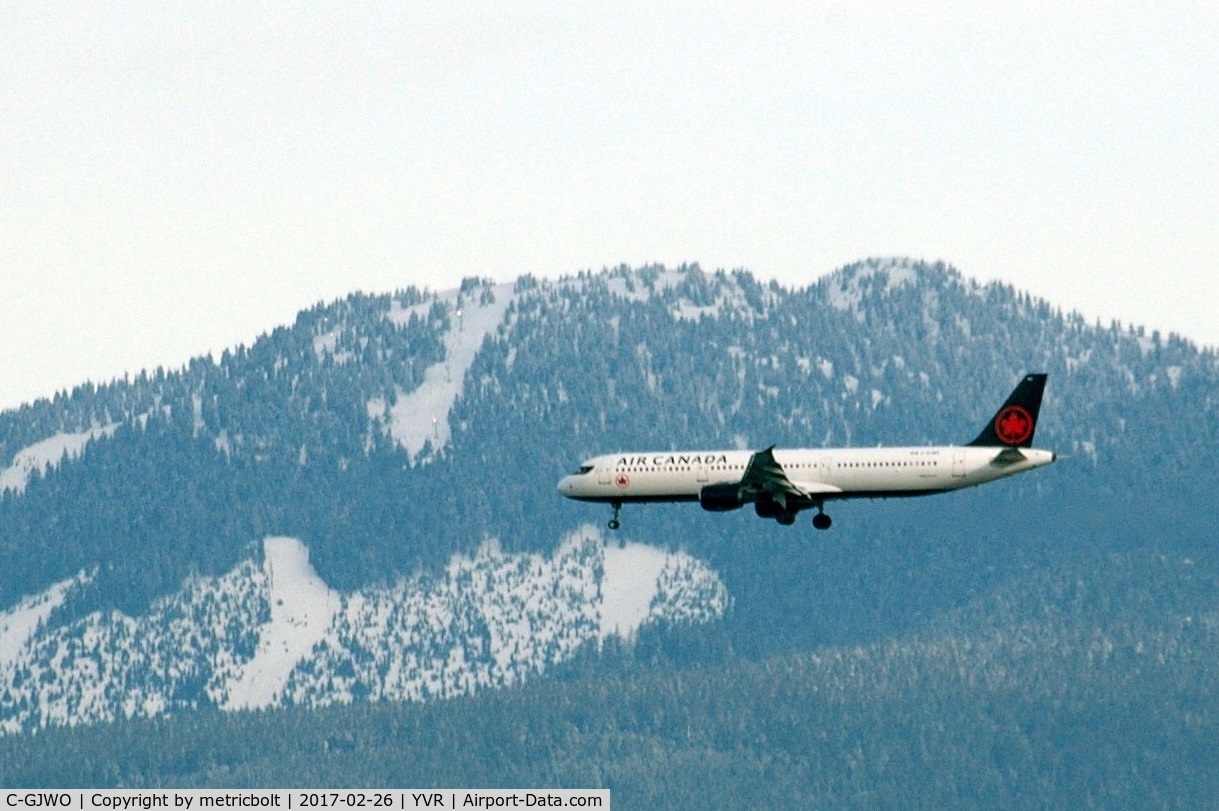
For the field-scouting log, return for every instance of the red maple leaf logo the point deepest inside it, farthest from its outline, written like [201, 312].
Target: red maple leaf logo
[1014, 425]
[623, 480]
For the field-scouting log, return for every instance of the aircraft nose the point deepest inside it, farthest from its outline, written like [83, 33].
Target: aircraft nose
[564, 486]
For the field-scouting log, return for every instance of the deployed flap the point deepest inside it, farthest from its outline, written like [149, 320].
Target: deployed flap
[765, 475]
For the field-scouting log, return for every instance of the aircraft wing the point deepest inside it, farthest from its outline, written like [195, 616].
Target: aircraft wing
[764, 476]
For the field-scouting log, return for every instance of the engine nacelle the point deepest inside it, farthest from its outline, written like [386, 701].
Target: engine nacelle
[767, 507]
[718, 498]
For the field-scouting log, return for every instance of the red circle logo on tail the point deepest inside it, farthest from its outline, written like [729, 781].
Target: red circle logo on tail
[1014, 425]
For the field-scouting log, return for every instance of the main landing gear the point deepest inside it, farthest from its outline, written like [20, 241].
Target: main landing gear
[821, 520]
[613, 522]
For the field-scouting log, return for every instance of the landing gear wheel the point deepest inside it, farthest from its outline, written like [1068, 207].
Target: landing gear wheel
[786, 519]
[613, 523]
[822, 521]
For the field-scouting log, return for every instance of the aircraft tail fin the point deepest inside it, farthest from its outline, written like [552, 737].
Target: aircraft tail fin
[1013, 425]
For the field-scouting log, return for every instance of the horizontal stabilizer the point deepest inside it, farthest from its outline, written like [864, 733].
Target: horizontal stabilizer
[1008, 456]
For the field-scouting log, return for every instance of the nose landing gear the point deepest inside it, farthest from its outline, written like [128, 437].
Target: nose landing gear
[613, 522]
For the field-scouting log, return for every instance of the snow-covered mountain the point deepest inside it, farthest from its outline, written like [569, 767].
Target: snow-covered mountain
[275, 634]
[362, 505]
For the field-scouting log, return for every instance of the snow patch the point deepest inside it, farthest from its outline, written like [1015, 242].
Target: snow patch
[1174, 376]
[729, 299]
[847, 288]
[302, 608]
[422, 415]
[328, 344]
[18, 625]
[638, 288]
[47, 454]
[1074, 363]
[687, 310]
[630, 583]
[401, 316]
[898, 274]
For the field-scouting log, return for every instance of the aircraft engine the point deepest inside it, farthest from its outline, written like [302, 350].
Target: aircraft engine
[769, 508]
[720, 498]
[766, 507]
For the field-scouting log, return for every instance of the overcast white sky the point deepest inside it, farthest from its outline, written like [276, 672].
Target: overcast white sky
[176, 178]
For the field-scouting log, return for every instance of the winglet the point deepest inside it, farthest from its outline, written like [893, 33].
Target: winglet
[1013, 425]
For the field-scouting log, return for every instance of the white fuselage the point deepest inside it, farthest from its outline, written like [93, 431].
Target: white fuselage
[825, 473]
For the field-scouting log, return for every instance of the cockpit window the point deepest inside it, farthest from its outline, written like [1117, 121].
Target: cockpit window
[584, 469]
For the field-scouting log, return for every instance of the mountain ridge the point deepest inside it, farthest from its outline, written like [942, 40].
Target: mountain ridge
[355, 430]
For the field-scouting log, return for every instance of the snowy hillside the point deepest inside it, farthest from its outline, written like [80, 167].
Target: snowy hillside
[274, 633]
[46, 454]
[371, 448]
[422, 416]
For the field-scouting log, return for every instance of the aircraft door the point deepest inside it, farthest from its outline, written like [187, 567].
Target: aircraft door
[823, 468]
[703, 474]
[958, 463]
[603, 473]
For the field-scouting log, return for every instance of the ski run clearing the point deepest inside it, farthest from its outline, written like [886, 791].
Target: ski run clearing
[47, 454]
[422, 416]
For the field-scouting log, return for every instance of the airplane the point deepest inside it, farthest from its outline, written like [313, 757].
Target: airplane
[780, 483]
